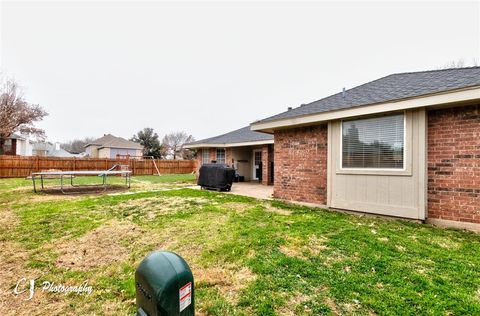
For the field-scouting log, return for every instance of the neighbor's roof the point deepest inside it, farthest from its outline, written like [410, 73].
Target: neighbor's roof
[17, 136]
[110, 141]
[51, 150]
[390, 88]
[242, 136]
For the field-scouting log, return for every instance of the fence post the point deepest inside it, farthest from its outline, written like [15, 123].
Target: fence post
[74, 163]
[133, 161]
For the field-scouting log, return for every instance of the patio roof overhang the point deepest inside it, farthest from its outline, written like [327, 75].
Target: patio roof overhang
[224, 145]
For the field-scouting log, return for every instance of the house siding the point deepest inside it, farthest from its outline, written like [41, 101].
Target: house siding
[454, 164]
[300, 159]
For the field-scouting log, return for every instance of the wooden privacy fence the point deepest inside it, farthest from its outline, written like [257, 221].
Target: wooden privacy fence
[19, 166]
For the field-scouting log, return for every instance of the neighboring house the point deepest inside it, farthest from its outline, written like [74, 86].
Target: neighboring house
[50, 150]
[249, 152]
[17, 145]
[405, 145]
[110, 146]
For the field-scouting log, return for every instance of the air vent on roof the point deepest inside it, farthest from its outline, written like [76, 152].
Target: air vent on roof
[289, 108]
[343, 93]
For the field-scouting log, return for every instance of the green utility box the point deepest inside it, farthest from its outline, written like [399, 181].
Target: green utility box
[164, 285]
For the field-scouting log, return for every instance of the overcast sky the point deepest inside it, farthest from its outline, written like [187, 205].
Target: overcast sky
[211, 67]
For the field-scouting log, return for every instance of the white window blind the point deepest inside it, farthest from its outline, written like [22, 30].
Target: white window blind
[220, 155]
[205, 156]
[374, 143]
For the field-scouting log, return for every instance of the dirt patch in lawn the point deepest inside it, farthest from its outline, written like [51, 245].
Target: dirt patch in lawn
[229, 280]
[97, 248]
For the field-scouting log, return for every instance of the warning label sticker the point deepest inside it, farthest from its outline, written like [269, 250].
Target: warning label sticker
[185, 296]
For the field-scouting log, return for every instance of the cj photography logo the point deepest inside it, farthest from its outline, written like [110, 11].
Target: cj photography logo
[27, 287]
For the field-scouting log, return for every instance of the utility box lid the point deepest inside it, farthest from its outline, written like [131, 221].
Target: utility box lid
[164, 285]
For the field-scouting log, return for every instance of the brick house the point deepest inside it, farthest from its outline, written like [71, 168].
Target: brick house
[249, 152]
[406, 145]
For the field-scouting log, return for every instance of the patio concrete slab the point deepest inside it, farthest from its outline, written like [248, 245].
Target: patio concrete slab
[252, 189]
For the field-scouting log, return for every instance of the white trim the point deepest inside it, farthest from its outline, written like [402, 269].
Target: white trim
[254, 173]
[451, 97]
[376, 170]
[206, 145]
[330, 164]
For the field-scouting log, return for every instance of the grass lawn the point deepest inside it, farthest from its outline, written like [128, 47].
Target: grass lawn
[249, 257]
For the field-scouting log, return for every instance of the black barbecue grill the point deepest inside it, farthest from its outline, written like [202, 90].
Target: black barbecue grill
[216, 177]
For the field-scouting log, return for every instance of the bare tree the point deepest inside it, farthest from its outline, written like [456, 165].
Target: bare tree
[460, 63]
[77, 146]
[16, 114]
[175, 141]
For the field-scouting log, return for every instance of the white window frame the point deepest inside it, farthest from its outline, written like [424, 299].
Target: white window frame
[224, 155]
[205, 151]
[406, 147]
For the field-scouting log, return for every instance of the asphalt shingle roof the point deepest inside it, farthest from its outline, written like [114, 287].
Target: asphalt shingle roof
[111, 141]
[390, 88]
[238, 136]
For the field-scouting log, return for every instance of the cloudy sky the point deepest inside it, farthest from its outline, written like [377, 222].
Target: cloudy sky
[211, 67]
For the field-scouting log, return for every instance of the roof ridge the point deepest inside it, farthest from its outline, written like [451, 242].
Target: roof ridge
[434, 70]
[390, 75]
[218, 136]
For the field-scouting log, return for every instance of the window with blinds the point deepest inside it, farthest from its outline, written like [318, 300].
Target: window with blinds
[205, 156]
[220, 155]
[374, 143]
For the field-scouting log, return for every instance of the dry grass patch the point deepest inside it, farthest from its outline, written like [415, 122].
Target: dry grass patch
[141, 185]
[292, 248]
[295, 301]
[156, 206]
[229, 279]
[332, 305]
[96, 248]
[297, 247]
[12, 268]
[445, 242]
[8, 219]
[272, 209]
[236, 206]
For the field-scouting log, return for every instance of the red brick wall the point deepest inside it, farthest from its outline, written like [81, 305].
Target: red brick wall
[301, 164]
[454, 164]
[267, 158]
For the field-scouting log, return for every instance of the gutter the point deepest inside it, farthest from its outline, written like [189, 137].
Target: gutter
[445, 98]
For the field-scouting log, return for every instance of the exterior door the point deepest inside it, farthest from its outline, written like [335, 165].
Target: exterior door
[257, 164]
